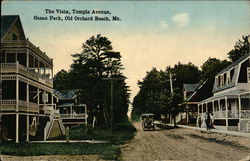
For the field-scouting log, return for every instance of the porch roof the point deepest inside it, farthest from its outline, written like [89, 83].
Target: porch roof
[231, 94]
[71, 104]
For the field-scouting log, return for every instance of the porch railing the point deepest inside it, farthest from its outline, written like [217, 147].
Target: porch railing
[10, 105]
[244, 125]
[29, 72]
[74, 116]
[245, 114]
[222, 114]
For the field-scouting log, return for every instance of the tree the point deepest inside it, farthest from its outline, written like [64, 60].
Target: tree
[61, 80]
[89, 72]
[185, 73]
[213, 66]
[155, 95]
[241, 48]
[99, 57]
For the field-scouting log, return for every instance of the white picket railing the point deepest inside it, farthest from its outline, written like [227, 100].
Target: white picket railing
[244, 125]
[30, 72]
[72, 116]
[245, 114]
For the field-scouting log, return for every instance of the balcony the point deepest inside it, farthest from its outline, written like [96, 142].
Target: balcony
[25, 44]
[23, 106]
[28, 72]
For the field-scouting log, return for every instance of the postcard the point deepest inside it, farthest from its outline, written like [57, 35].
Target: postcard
[125, 80]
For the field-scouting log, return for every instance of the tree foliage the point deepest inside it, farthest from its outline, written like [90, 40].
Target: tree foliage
[61, 79]
[241, 48]
[155, 94]
[90, 72]
[212, 66]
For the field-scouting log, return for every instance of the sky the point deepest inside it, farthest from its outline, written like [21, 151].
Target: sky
[150, 33]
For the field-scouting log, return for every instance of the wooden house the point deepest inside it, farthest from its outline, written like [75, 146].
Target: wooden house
[27, 102]
[72, 112]
[230, 102]
[190, 110]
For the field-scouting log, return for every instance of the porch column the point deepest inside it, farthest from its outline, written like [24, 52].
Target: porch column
[16, 57]
[219, 112]
[198, 109]
[239, 106]
[27, 58]
[71, 112]
[52, 101]
[17, 92]
[27, 96]
[213, 106]
[38, 102]
[27, 128]
[27, 117]
[206, 107]
[226, 111]
[17, 128]
[17, 106]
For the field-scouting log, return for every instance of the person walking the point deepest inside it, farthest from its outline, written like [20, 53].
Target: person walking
[208, 120]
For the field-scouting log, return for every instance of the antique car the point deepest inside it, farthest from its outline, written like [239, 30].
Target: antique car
[147, 121]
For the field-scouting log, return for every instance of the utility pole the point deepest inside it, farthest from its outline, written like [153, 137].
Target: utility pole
[111, 104]
[171, 89]
[171, 83]
[112, 99]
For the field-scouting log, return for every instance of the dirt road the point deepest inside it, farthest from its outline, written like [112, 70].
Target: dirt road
[164, 145]
[184, 144]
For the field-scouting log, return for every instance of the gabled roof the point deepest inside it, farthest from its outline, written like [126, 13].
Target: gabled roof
[6, 23]
[202, 92]
[234, 63]
[190, 87]
[67, 94]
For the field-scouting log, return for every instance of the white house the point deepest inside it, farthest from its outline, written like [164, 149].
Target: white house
[230, 103]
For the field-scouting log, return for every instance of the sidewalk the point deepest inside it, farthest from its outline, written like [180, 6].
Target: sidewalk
[71, 141]
[235, 133]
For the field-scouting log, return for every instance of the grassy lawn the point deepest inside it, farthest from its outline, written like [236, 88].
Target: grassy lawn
[122, 133]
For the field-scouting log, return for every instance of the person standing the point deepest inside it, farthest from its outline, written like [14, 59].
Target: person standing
[208, 120]
[212, 120]
[199, 121]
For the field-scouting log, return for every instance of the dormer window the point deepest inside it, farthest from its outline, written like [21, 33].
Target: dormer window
[222, 80]
[14, 36]
[228, 78]
[231, 74]
[216, 82]
[225, 78]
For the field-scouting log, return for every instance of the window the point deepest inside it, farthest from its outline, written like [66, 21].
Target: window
[225, 78]
[222, 80]
[228, 78]
[14, 37]
[231, 74]
[219, 81]
[216, 82]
